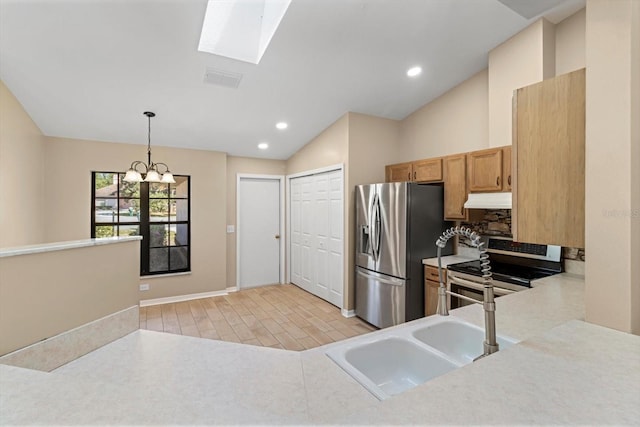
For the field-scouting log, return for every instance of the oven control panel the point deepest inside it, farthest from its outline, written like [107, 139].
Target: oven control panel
[523, 248]
[506, 246]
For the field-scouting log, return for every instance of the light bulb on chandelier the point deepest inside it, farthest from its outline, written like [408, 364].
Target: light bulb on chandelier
[152, 171]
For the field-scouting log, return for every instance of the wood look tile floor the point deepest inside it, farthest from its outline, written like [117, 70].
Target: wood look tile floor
[279, 316]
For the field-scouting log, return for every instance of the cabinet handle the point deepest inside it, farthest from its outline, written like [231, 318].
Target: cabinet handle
[509, 180]
[409, 176]
[414, 175]
[498, 181]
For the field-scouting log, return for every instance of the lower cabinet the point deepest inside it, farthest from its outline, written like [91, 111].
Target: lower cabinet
[431, 284]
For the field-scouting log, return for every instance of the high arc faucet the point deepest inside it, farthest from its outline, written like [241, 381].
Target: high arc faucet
[488, 303]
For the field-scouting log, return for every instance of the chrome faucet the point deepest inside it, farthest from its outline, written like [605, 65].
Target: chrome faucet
[488, 303]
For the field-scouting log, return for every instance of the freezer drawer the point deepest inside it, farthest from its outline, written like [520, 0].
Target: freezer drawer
[380, 299]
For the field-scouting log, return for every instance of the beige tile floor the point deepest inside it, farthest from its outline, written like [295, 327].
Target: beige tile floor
[279, 316]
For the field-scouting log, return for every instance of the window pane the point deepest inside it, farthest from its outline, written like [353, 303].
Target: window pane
[158, 190]
[129, 210]
[181, 187]
[106, 210]
[128, 230]
[105, 231]
[158, 259]
[129, 189]
[158, 210]
[179, 235]
[180, 210]
[159, 235]
[106, 185]
[179, 258]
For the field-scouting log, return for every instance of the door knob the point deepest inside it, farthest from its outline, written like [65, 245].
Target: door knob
[277, 236]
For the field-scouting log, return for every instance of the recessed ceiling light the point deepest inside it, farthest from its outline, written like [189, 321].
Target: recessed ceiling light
[282, 125]
[263, 146]
[414, 71]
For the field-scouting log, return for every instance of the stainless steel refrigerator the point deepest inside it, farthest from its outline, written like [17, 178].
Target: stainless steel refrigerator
[397, 225]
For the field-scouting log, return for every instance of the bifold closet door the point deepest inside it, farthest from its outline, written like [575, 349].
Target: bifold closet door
[317, 235]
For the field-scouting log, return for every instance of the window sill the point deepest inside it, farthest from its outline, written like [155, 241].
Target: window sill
[162, 276]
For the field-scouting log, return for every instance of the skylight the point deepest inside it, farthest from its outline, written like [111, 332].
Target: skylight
[241, 29]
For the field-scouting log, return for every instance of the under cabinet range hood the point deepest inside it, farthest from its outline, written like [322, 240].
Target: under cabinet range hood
[488, 201]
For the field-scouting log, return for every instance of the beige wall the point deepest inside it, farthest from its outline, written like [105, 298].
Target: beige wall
[612, 164]
[329, 148]
[236, 165]
[21, 175]
[373, 142]
[570, 47]
[45, 294]
[524, 59]
[456, 122]
[68, 203]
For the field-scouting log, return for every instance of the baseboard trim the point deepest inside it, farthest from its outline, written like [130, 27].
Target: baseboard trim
[181, 298]
[232, 289]
[348, 313]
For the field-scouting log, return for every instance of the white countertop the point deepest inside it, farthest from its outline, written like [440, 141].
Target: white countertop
[446, 260]
[59, 246]
[564, 372]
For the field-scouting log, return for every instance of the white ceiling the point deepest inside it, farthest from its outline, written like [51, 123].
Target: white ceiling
[88, 69]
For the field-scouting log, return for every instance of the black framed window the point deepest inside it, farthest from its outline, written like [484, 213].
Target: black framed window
[158, 212]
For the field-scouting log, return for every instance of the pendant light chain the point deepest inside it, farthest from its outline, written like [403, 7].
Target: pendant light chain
[151, 171]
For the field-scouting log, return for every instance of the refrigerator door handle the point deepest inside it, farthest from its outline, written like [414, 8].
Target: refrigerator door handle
[376, 227]
[387, 280]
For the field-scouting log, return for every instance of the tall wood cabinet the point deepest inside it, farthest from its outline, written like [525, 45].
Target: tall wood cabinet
[549, 161]
[455, 186]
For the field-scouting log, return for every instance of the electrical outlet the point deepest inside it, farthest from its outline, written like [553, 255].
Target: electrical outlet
[144, 287]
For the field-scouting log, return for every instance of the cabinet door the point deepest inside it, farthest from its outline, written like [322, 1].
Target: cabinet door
[455, 186]
[430, 297]
[549, 162]
[428, 170]
[484, 170]
[431, 284]
[400, 172]
[506, 168]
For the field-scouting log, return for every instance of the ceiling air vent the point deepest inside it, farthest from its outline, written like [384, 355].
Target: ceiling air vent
[222, 78]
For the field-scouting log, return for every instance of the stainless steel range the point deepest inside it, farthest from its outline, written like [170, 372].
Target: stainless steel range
[514, 266]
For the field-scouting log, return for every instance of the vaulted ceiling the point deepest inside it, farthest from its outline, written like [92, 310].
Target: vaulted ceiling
[88, 69]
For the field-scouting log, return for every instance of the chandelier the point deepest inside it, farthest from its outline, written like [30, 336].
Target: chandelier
[152, 171]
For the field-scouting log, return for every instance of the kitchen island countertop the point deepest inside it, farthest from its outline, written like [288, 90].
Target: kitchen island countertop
[565, 371]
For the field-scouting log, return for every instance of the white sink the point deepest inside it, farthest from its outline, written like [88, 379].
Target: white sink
[395, 364]
[388, 362]
[458, 340]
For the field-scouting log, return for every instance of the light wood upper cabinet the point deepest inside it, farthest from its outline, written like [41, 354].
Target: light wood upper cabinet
[484, 170]
[506, 168]
[549, 161]
[427, 170]
[400, 172]
[455, 186]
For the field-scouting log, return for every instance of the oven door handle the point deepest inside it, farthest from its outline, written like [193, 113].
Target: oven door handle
[478, 286]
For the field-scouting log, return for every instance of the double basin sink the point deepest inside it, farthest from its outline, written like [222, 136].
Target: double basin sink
[390, 362]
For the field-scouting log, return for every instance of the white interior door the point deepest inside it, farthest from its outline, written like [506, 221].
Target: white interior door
[258, 231]
[317, 234]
